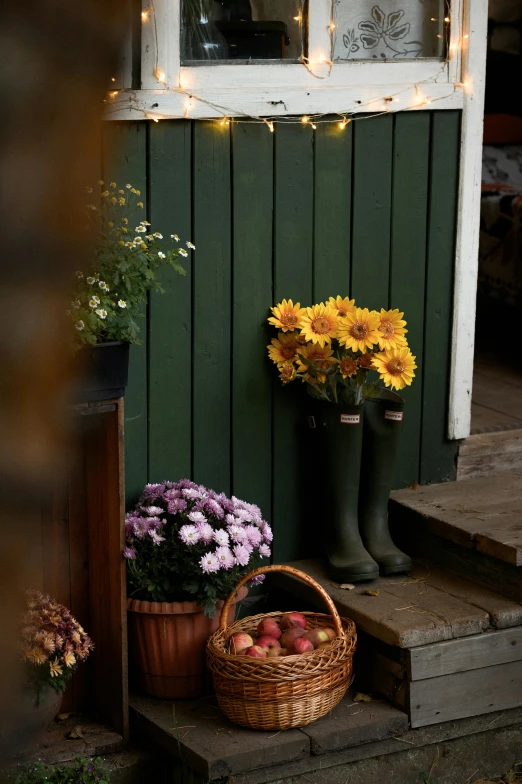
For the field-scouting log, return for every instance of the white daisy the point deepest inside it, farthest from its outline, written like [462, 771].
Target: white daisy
[79, 325]
[183, 252]
[174, 237]
[91, 280]
[128, 185]
[122, 303]
[158, 235]
[94, 302]
[190, 245]
[144, 223]
[140, 229]
[101, 313]
[161, 255]
[79, 274]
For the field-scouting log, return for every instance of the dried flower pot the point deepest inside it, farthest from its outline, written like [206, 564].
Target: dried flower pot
[167, 646]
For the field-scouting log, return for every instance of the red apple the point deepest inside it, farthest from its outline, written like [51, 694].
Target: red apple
[268, 628]
[239, 642]
[317, 636]
[293, 633]
[332, 634]
[267, 642]
[256, 652]
[300, 645]
[292, 619]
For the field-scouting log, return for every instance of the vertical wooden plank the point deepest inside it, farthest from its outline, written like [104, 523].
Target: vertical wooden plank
[372, 188]
[105, 505]
[408, 267]
[252, 188]
[212, 306]
[170, 363]
[437, 453]
[293, 243]
[124, 161]
[332, 207]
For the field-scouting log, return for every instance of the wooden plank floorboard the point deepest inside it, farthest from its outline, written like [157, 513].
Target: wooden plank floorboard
[405, 613]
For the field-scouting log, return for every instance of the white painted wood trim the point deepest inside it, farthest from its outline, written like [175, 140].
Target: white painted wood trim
[160, 44]
[466, 256]
[216, 103]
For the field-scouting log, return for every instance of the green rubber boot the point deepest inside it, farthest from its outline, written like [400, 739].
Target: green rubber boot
[339, 434]
[382, 428]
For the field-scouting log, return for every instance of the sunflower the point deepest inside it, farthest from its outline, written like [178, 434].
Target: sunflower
[286, 372]
[365, 361]
[347, 366]
[283, 348]
[395, 367]
[319, 324]
[287, 316]
[391, 329]
[319, 357]
[359, 330]
[343, 305]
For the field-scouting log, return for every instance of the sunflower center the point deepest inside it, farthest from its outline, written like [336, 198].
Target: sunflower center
[387, 329]
[395, 366]
[289, 319]
[288, 352]
[320, 325]
[359, 330]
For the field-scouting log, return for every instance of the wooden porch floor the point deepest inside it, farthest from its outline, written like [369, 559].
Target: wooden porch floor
[497, 396]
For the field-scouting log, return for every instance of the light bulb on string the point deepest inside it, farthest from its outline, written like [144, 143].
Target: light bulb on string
[305, 119]
[270, 126]
[314, 126]
[159, 74]
[145, 16]
[344, 122]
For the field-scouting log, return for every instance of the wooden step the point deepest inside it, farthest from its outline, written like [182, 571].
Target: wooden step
[491, 453]
[472, 527]
[427, 639]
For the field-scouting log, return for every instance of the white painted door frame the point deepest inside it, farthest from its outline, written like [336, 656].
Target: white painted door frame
[170, 90]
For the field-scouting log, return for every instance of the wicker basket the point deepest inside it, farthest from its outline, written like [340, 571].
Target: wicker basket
[281, 692]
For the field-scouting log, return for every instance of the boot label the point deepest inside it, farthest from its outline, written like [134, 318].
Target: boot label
[350, 419]
[395, 416]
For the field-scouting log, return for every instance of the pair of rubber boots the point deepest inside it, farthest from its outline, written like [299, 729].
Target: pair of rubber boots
[357, 450]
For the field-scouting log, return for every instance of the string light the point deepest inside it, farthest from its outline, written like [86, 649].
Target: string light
[113, 94]
[159, 74]
[270, 127]
[225, 121]
[113, 79]
[305, 119]
[344, 123]
[145, 15]
[314, 126]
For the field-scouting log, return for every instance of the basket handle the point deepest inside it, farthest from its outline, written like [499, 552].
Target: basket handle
[286, 570]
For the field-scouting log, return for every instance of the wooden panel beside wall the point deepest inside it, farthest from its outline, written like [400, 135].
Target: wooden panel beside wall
[368, 211]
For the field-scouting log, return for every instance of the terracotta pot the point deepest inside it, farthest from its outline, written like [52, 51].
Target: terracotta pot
[29, 720]
[167, 643]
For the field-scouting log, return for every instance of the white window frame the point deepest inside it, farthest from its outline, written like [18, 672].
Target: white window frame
[170, 91]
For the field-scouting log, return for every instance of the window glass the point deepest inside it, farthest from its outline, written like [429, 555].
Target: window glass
[393, 29]
[242, 30]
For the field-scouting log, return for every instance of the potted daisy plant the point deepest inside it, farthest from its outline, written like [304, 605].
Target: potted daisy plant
[353, 362]
[108, 299]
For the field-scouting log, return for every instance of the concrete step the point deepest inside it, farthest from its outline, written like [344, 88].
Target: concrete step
[352, 743]
[473, 528]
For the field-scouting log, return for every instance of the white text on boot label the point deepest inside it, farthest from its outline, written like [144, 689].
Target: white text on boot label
[350, 419]
[396, 416]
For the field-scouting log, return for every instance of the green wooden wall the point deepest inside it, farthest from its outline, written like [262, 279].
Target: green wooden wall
[369, 211]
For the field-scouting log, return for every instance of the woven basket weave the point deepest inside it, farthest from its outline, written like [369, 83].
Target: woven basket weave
[281, 692]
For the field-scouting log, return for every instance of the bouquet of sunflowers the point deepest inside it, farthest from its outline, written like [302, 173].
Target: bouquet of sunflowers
[333, 346]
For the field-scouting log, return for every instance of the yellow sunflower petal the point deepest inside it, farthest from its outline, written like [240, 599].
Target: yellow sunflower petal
[319, 324]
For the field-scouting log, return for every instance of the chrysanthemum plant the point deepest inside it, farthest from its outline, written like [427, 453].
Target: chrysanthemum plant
[53, 642]
[333, 346]
[187, 543]
[107, 299]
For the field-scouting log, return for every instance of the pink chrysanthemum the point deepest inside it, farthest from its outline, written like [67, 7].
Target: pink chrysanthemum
[253, 535]
[209, 563]
[225, 558]
[206, 532]
[267, 533]
[264, 551]
[129, 553]
[197, 517]
[221, 538]
[156, 538]
[237, 533]
[241, 554]
[189, 534]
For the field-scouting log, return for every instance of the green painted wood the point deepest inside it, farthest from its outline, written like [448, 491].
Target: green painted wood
[211, 322]
[437, 453]
[252, 178]
[170, 328]
[411, 165]
[125, 161]
[293, 275]
[372, 192]
[332, 207]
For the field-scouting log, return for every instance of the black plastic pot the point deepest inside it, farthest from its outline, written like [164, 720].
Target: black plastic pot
[102, 371]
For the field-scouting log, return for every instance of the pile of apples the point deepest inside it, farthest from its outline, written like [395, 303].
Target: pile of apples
[286, 638]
